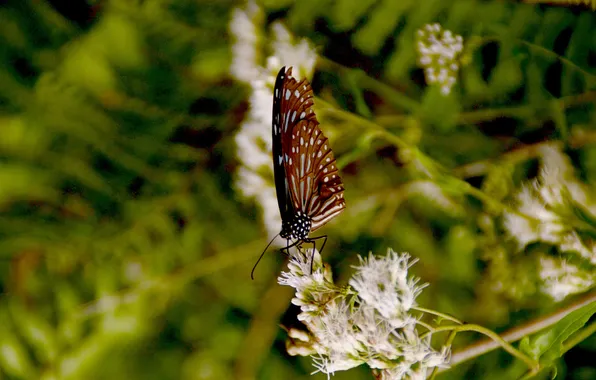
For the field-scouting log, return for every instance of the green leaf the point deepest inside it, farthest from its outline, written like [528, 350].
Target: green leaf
[471, 81]
[359, 102]
[36, 331]
[578, 51]
[346, 13]
[506, 77]
[548, 346]
[14, 358]
[381, 21]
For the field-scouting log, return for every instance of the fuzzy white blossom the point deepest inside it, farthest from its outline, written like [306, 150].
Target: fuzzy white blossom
[548, 209]
[369, 322]
[383, 285]
[244, 28]
[561, 278]
[252, 65]
[438, 52]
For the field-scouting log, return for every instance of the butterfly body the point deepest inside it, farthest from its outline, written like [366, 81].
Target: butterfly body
[296, 228]
[308, 186]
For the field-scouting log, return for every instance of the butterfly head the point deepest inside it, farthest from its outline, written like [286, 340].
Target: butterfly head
[297, 227]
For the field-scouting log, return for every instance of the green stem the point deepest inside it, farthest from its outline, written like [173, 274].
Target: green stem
[524, 153]
[433, 168]
[531, 363]
[542, 50]
[388, 93]
[430, 329]
[438, 314]
[515, 334]
[591, 77]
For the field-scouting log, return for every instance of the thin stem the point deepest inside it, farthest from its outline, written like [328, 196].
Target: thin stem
[438, 314]
[358, 120]
[477, 116]
[544, 51]
[431, 167]
[495, 337]
[524, 153]
[589, 76]
[531, 327]
[430, 329]
[360, 77]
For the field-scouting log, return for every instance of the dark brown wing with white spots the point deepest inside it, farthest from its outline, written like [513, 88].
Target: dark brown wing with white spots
[292, 102]
[306, 176]
[315, 185]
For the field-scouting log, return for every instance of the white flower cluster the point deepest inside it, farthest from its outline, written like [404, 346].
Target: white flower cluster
[255, 175]
[438, 52]
[561, 278]
[553, 202]
[369, 322]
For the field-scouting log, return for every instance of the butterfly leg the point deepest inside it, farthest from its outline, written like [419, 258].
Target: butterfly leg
[324, 237]
[286, 249]
[313, 240]
[314, 246]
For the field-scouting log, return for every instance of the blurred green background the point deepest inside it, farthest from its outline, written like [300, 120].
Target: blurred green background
[126, 248]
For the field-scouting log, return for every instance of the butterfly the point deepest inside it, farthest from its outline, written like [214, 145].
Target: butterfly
[309, 189]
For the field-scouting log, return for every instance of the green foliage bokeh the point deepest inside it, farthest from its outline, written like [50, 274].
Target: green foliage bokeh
[126, 247]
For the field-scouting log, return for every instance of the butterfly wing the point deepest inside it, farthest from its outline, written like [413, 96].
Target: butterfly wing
[315, 185]
[281, 183]
[312, 180]
[292, 101]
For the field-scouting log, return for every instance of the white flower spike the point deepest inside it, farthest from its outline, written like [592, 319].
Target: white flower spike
[255, 176]
[438, 54]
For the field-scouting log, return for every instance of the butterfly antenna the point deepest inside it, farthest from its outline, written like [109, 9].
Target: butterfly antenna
[252, 272]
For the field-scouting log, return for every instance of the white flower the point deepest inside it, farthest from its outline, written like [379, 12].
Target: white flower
[562, 278]
[383, 285]
[255, 175]
[335, 332]
[299, 54]
[438, 55]
[376, 335]
[548, 209]
[243, 28]
[418, 362]
[367, 324]
[571, 242]
[549, 202]
[418, 351]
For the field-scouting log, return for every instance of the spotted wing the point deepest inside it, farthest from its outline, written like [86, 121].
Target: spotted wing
[311, 175]
[292, 101]
[315, 185]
